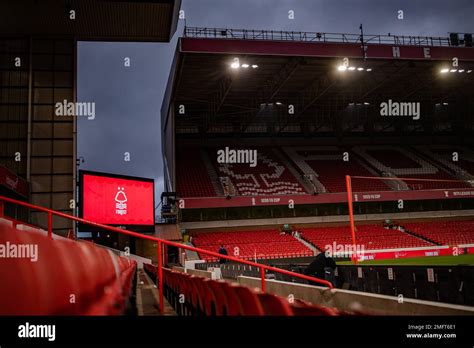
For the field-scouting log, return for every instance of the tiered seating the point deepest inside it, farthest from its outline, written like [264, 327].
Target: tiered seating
[263, 244]
[445, 232]
[210, 297]
[327, 169]
[332, 174]
[371, 237]
[192, 176]
[67, 277]
[444, 155]
[326, 165]
[402, 163]
[268, 177]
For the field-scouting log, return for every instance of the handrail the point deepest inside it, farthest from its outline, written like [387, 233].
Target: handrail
[160, 243]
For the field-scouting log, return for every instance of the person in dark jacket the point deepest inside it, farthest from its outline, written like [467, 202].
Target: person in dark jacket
[222, 251]
[321, 267]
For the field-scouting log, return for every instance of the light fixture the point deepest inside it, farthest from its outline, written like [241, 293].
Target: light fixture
[245, 66]
[453, 70]
[342, 68]
[278, 103]
[351, 68]
[235, 64]
[444, 70]
[254, 66]
[369, 69]
[445, 103]
[360, 69]
[365, 103]
[469, 71]
[351, 104]
[461, 70]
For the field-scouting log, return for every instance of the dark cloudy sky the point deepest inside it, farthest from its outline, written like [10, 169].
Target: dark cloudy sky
[128, 100]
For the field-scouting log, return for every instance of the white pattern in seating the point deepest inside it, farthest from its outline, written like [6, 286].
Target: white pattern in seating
[253, 182]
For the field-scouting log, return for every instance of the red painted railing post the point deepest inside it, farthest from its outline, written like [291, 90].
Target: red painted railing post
[160, 276]
[2, 208]
[50, 225]
[262, 274]
[351, 217]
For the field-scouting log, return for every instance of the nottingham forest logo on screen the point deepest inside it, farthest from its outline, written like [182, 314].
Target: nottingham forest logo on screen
[120, 201]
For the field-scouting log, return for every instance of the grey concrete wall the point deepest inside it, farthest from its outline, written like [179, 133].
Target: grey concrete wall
[354, 300]
[195, 272]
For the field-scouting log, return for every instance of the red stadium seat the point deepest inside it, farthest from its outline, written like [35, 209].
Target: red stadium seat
[68, 278]
[249, 302]
[302, 308]
[274, 305]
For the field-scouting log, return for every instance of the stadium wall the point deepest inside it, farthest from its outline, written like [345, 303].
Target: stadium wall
[350, 300]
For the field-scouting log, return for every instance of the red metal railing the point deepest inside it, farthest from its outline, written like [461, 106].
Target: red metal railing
[160, 242]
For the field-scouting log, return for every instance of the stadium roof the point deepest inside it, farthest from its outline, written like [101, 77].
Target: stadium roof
[110, 20]
[301, 69]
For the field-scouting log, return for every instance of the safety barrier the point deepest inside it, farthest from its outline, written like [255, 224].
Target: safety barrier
[160, 244]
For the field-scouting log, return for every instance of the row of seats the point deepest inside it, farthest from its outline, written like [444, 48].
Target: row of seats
[191, 295]
[262, 244]
[327, 168]
[370, 237]
[192, 177]
[445, 232]
[268, 177]
[458, 159]
[61, 277]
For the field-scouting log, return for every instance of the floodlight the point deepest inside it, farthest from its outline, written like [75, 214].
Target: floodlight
[235, 64]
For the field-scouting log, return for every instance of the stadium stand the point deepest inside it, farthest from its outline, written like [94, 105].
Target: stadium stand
[403, 163]
[326, 168]
[445, 232]
[327, 165]
[260, 244]
[192, 176]
[458, 159]
[268, 177]
[372, 237]
[65, 277]
[217, 297]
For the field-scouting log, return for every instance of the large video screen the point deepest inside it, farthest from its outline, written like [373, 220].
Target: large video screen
[116, 200]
